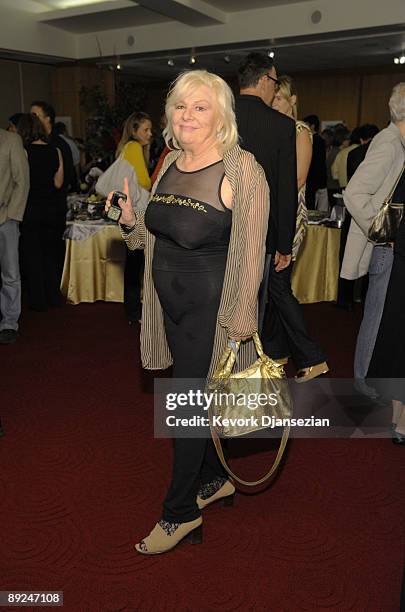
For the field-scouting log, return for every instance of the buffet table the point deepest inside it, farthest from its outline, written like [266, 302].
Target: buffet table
[316, 271]
[95, 256]
[94, 263]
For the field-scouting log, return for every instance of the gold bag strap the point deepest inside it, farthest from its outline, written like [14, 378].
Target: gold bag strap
[226, 364]
[251, 483]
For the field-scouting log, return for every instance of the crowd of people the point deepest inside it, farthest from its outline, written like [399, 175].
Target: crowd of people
[233, 180]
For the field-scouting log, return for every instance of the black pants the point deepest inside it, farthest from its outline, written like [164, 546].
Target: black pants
[133, 274]
[284, 331]
[190, 293]
[42, 257]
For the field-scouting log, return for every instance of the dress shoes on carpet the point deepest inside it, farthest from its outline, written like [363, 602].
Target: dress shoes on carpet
[211, 493]
[165, 536]
[398, 438]
[8, 336]
[305, 374]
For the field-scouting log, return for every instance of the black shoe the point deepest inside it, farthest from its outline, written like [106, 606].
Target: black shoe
[398, 438]
[8, 336]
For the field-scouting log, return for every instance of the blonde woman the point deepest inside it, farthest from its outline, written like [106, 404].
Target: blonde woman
[134, 143]
[285, 101]
[136, 137]
[308, 356]
[204, 234]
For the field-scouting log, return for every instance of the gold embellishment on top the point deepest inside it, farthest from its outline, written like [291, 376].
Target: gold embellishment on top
[172, 199]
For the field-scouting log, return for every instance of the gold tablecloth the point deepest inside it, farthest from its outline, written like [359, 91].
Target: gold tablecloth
[316, 272]
[94, 268]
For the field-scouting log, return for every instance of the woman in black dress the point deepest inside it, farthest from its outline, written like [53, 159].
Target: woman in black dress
[40, 229]
[204, 235]
[388, 361]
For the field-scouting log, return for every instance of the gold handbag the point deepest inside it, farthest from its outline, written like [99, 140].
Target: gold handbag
[233, 413]
[388, 219]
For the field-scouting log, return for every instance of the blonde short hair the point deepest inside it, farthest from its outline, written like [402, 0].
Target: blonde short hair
[188, 81]
[286, 89]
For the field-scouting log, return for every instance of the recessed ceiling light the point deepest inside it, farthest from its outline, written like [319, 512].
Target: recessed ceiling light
[170, 62]
[227, 59]
[402, 59]
[118, 66]
[396, 60]
[271, 54]
[192, 59]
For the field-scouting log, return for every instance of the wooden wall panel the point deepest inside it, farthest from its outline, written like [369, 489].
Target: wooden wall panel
[376, 92]
[329, 96]
[66, 85]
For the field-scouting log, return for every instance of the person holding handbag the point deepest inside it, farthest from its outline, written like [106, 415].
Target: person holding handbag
[373, 183]
[204, 234]
[136, 138]
[388, 359]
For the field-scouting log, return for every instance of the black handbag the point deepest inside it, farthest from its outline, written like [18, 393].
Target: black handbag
[385, 224]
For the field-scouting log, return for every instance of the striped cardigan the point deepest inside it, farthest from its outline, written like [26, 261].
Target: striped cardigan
[237, 314]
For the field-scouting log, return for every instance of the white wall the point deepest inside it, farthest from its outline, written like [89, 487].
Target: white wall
[19, 31]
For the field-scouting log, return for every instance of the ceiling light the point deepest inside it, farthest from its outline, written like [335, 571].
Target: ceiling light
[271, 54]
[118, 66]
[402, 59]
[170, 62]
[396, 60]
[227, 59]
[192, 59]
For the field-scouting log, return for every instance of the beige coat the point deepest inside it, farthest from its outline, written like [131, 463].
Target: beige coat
[365, 194]
[14, 177]
[237, 315]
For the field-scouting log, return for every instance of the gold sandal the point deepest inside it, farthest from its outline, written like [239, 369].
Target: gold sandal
[165, 536]
[311, 372]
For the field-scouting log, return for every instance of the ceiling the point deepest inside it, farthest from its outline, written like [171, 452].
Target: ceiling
[296, 55]
[143, 36]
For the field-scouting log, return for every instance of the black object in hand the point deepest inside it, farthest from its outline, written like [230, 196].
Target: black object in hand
[114, 212]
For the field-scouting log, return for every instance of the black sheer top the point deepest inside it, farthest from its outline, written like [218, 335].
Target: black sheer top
[187, 210]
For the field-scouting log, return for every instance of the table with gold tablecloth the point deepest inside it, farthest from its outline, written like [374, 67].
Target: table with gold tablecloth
[316, 272]
[94, 267]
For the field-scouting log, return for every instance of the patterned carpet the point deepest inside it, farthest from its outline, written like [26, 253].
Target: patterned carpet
[82, 479]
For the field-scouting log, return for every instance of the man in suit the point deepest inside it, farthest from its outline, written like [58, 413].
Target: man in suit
[364, 195]
[271, 137]
[14, 187]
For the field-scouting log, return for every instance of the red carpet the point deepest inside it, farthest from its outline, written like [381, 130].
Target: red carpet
[82, 479]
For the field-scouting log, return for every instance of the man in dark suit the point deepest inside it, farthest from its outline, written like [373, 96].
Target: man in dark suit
[271, 137]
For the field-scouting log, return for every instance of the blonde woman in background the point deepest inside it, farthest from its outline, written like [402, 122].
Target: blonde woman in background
[285, 101]
[133, 147]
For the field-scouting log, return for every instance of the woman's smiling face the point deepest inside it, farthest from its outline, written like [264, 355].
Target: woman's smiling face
[195, 119]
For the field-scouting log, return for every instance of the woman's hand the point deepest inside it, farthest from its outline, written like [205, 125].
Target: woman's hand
[128, 216]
